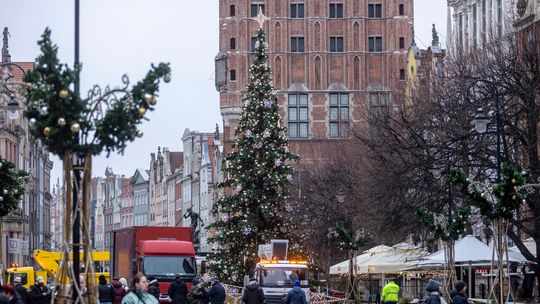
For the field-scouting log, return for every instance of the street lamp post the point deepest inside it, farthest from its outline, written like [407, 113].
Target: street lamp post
[483, 87]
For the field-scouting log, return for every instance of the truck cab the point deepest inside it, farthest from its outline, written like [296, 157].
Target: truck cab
[276, 278]
[27, 274]
[164, 259]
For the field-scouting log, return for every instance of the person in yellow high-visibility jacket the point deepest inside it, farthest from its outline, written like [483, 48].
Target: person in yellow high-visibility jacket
[390, 293]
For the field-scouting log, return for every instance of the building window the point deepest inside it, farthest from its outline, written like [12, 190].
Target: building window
[297, 10]
[401, 43]
[297, 44]
[339, 115]
[233, 44]
[375, 44]
[253, 44]
[401, 9]
[255, 9]
[336, 44]
[401, 74]
[233, 75]
[336, 10]
[378, 102]
[298, 115]
[475, 25]
[232, 10]
[375, 10]
[484, 16]
[499, 18]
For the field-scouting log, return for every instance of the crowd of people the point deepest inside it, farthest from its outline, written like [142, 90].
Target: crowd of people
[145, 290]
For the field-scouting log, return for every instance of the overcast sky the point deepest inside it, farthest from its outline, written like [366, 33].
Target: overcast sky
[125, 36]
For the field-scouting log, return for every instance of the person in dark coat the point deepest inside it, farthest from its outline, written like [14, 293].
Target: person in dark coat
[14, 297]
[528, 281]
[178, 290]
[434, 295]
[119, 291]
[217, 292]
[153, 287]
[458, 293]
[105, 291]
[253, 293]
[39, 293]
[296, 295]
[20, 289]
[198, 294]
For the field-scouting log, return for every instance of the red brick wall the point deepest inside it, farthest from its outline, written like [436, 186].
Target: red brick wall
[316, 69]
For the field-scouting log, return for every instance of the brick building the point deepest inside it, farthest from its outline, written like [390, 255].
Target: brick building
[329, 59]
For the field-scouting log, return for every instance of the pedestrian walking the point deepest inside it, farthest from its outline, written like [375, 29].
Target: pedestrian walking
[39, 293]
[119, 291]
[14, 297]
[105, 291]
[153, 287]
[124, 284]
[178, 290]
[390, 293]
[296, 295]
[458, 293]
[434, 293]
[217, 293]
[528, 281]
[198, 293]
[253, 293]
[138, 294]
[20, 289]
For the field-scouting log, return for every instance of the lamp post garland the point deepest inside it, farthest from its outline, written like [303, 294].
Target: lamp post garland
[11, 186]
[75, 128]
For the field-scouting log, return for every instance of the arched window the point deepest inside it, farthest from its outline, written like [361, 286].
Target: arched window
[356, 73]
[356, 36]
[317, 35]
[233, 44]
[277, 37]
[277, 73]
[318, 76]
[233, 75]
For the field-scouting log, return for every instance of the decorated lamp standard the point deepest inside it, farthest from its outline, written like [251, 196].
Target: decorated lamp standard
[75, 128]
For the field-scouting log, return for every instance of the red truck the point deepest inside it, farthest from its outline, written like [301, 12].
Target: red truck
[161, 252]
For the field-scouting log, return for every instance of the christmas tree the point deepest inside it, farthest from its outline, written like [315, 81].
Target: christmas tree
[257, 174]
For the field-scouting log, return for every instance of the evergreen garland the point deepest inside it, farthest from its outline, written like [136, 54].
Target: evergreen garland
[11, 186]
[257, 176]
[508, 195]
[64, 121]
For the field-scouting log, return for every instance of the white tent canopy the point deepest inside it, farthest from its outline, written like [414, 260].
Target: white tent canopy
[469, 250]
[529, 243]
[382, 259]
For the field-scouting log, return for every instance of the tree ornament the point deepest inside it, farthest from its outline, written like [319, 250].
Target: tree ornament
[1, 199]
[148, 97]
[140, 133]
[47, 131]
[63, 94]
[32, 122]
[5, 191]
[61, 122]
[514, 181]
[142, 111]
[44, 111]
[167, 78]
[153, 101]
[75, 128]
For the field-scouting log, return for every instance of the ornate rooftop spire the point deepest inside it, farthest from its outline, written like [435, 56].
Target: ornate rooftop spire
[5, 45]
[435, 41]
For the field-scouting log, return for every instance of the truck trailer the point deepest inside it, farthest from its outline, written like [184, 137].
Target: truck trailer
[161, 252]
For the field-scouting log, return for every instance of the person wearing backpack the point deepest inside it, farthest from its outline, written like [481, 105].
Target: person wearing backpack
[106, 291]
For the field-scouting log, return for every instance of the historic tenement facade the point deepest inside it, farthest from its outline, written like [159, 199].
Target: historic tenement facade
[329, 59]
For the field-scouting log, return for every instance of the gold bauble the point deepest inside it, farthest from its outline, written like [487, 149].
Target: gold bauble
[61, 122]
[75, 128]
[153, 101]
[514, 198]
[142, 111]
[63, 94]
[148, 97]
[514, 181]
[47, 131]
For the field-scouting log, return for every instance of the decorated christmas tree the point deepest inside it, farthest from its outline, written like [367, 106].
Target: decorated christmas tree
[256, 178]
